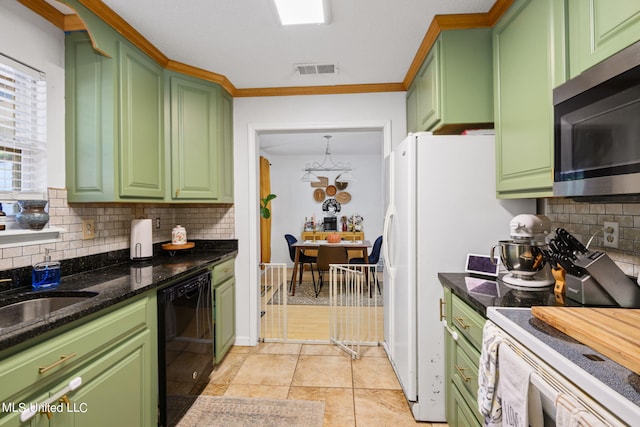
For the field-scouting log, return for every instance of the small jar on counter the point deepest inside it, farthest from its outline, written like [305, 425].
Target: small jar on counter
[178, 235]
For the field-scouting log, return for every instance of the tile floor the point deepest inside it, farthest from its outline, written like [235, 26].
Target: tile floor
[363, 392]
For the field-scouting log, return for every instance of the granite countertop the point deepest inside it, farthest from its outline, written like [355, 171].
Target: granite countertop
[113, 283]
[481, 293]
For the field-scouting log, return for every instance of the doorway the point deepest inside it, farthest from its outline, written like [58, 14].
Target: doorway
[291, 148]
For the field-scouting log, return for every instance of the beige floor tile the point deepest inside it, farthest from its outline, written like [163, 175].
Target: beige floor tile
[373, 351]
[243, 349]
[323, 371]
[267, 369]
[321, 350]
[225, 372]
[374, 373]
[258, 391]
[279, 348]
[382, 408]
[215, 389]
[338, 409]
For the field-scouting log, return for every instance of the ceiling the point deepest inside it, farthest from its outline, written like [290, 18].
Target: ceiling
[343, 142]
[369, 41]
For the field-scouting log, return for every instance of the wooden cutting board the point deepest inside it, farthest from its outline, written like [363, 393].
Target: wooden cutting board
[614, 332]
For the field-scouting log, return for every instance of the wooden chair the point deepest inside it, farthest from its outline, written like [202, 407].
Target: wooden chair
[328, 255]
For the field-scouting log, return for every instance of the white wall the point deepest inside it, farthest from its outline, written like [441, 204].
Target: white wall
[31, 39]
[281, 113]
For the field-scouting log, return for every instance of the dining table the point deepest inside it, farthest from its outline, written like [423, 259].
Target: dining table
[351, 245]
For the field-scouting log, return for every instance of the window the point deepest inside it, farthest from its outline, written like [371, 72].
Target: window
[23, 130]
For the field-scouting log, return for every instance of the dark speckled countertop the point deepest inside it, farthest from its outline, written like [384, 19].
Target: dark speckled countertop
[113, 283]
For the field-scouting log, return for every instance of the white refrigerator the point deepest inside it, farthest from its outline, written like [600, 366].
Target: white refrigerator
[442, 206]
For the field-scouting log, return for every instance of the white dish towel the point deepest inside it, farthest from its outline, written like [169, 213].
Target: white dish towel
[570, 413]
[488, 400]
[513, 387]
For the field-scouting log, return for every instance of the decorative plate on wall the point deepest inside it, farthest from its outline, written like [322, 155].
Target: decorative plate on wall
[331, 190]
[318, 195]
[343, 197]
[331, 205]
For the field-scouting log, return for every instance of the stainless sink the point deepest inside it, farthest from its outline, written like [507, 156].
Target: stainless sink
[39, 306]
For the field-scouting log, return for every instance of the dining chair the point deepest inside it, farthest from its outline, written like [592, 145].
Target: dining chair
[328, 255]
[374, 258]
[304, 259]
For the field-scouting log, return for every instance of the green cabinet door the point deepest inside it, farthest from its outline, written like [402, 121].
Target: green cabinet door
[142, 148]
[453, 88]
[116, 389]
[429, 94]
[412, 108]
[195, 151]
[528, 43]
[225, 318]
[600, 28]
[225, 177]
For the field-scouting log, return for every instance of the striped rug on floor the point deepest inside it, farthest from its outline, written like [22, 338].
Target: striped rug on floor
[214, 411]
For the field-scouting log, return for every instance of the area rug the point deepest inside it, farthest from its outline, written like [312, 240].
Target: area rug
[220, 411]
[305, 295]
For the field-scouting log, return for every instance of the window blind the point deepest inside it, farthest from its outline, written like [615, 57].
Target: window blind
[23, 130]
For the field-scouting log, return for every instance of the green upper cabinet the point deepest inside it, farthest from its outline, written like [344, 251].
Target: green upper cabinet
[225, 172]
[141, 102]
[195, 152]
[453, 88]
[600, 28]
[528, 49]
[115, 149]
[201, 139]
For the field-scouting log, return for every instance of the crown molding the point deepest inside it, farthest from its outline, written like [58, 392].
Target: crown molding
[439, 23]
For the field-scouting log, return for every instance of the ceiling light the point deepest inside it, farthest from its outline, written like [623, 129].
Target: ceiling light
[296, 12]
[328, 165]
[309, 177]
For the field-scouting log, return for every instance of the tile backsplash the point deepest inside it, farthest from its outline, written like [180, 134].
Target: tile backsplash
[586, 219]
[112, 223]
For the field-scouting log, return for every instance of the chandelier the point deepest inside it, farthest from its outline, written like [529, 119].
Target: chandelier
[327, 165]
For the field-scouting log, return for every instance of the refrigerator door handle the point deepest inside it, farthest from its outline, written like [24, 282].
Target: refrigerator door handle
[388, 217]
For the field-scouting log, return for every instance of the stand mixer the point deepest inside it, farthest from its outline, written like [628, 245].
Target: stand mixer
[522, 256]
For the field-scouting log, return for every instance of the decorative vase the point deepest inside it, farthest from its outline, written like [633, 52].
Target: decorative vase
[32, 215]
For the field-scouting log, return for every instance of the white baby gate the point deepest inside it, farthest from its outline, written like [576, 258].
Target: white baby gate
[354, 312]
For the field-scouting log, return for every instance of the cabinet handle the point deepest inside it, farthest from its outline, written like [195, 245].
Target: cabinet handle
[442, 304]
[460, 370]
[28, 413]
[63, 359]
[460, 321]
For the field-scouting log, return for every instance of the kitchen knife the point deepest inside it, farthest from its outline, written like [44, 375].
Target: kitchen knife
[573, 243]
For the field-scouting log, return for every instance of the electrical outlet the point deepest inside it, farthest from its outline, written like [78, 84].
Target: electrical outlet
[611, 234]
[88, 229]
[157, 222]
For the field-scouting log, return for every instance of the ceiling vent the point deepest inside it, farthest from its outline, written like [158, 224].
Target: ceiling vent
[316, 69]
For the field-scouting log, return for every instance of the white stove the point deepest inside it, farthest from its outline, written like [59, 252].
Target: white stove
[601, 383]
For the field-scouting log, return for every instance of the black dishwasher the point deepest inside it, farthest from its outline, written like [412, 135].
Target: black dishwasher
[185, 346]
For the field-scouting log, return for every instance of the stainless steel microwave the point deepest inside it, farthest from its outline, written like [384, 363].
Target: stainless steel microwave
[597, 129]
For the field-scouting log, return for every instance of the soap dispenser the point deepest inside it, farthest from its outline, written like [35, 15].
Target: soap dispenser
[46, 274]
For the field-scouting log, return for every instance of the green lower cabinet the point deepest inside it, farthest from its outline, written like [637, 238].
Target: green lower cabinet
[600, 28]
[115, 357]
[116, 389]
[528, 49]
[224, 307]
[225, 318]
[462, 356]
